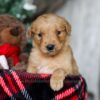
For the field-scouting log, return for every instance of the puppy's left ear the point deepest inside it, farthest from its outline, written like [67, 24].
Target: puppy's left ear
[68, 28]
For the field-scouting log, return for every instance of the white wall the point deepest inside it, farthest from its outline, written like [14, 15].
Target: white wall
[84, 16]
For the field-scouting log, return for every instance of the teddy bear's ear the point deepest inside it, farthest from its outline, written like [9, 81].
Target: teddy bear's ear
[68, 28]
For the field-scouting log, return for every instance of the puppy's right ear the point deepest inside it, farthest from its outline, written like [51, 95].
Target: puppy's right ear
[30, 34]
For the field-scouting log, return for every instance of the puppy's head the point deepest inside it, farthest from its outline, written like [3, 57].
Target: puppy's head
[49, 32]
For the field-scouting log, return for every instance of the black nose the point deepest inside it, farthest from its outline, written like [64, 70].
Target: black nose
[50, 47]
[15, 31]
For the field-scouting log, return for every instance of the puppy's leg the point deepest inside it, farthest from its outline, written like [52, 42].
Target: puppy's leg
[57, 79]
[20, 66]
[31, 69]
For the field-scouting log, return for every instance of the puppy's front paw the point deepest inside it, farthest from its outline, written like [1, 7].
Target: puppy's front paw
[56, 83]
[20, 66]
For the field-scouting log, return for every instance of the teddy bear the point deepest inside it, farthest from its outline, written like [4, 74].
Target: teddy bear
[11, 35]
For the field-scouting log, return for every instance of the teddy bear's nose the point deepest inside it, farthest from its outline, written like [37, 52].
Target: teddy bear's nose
[15, 34]
[50, 47]
[15, 31]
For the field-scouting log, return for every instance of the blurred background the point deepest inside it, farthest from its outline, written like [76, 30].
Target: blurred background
[84, 16]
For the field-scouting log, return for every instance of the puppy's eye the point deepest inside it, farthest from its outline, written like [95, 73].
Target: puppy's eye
[40, 35]
[58, 32]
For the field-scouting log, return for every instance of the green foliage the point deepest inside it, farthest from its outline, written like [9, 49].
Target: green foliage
[15, 8]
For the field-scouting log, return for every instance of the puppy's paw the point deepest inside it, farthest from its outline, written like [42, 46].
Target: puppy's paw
[20, 66]
[56, 83]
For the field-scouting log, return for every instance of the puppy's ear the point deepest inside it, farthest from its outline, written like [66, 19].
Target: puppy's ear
[68, 28]
[30, 34]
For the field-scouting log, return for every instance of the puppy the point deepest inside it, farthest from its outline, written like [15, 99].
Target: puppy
[52, 53]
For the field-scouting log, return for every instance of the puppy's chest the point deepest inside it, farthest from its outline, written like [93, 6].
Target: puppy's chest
[48, 65]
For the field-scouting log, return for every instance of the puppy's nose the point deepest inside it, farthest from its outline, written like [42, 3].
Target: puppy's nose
[50, 47]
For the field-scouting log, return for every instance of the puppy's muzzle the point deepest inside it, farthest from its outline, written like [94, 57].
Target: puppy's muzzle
[50, 47]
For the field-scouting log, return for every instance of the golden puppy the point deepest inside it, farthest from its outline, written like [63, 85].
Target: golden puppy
[52, 53]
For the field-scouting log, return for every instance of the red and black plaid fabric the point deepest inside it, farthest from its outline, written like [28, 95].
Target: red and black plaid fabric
[17, 85]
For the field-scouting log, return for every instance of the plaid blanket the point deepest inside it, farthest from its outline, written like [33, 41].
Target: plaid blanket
[18, 85]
